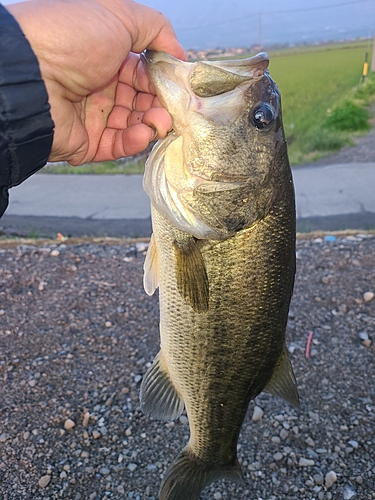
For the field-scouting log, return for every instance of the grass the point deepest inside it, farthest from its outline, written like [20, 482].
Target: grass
[312, 83]
[134, 166]
[316, 84]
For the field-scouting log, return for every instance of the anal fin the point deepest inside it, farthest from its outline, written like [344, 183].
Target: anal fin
[158, 396]
[191, 276]
[283, 382]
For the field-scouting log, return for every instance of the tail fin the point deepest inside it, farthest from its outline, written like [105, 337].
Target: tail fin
[186, 478]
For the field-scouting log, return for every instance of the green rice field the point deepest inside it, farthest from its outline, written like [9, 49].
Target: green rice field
[312, 81]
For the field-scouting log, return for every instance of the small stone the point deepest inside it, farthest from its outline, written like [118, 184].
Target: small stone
[217, 495]
[348, 493]
[305, 462]
[278, 456]
[137, 378]
[44, 481]
[257, 414]
[359, 479]
[55, 253]
[318, 479]
[367, 296]
[132, 467]
[367, 343]
[353, 444]
[363, 335]
[120, 489]
[3, 437]
[331, 478]
[85, 454]
[310, 442]
[86, 418]
[96, 434]
[63, 475]
[105, 471]
[183, 419]
[284, 434]
[128, 431]
[32, 382]
[108, 324]
[69, 424]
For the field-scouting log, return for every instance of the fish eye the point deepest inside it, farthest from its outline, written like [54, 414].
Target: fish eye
[262, 116]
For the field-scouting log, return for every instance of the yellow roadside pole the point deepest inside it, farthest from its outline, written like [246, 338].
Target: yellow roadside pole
[365, 68]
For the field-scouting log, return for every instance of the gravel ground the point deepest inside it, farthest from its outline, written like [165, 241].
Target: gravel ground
[77, 333]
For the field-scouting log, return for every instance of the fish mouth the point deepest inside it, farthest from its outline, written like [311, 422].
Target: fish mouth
[204, 87]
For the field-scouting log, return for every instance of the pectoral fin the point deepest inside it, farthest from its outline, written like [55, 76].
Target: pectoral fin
[158, 395]
[283, 382]
[150, 267]
[192, 280]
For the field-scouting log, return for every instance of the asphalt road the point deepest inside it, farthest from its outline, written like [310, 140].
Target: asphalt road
[328, 197]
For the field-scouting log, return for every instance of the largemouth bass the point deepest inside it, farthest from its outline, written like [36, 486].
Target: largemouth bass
[223, 256]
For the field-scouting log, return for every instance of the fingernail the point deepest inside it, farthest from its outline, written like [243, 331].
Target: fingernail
[155, 133]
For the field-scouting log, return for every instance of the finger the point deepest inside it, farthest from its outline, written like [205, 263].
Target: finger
[134, 74]
[119, 118]
[147, 27]
[116, 144]
[160, 37]
[159, 119]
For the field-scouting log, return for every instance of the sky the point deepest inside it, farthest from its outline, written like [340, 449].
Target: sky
[203, 24]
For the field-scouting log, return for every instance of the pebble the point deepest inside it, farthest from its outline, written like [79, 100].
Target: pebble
[257, 414]
[367, 296]
[55, 253]
[184, 420]
[353, 444]
[69, 424]
[284, 433]
[96, 434]
[363, 335]
[348, 493]
[318, 479]
[217, 495]
[86, 418]
[108, 324]
[278, 456]
[305, 462]
[367, 343]
[44, 481]
[3, 437]
[330, 479]
[132, 467]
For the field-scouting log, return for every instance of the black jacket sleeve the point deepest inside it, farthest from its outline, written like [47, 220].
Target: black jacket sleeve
[26, 126]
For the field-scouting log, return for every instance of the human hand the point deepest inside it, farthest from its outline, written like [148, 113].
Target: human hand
[102, 101]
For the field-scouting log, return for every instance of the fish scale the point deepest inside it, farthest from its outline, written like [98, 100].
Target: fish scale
[223, 301]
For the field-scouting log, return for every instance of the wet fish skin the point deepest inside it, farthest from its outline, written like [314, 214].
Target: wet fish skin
[224, 291]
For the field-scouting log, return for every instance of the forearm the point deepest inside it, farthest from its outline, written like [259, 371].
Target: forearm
[26, 126]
